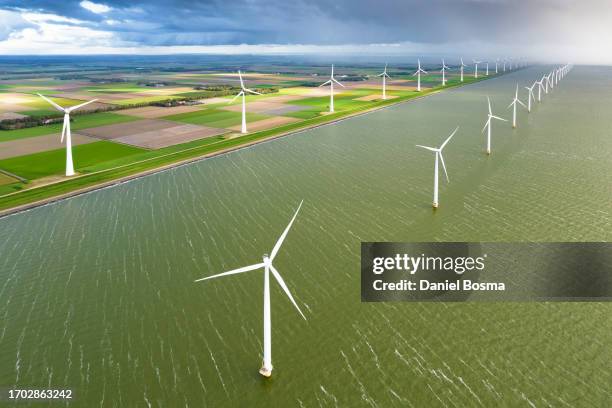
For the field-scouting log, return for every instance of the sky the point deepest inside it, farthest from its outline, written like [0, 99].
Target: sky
[538, 30]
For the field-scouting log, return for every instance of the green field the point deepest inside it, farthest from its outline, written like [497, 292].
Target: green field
[78, 122]
[4, 179]
[215, 118]
[53, 162]
[342, 102]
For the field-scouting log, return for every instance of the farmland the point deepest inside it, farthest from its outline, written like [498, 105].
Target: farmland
[145, 120]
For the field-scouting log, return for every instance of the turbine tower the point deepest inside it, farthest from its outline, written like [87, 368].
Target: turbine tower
[487, 69]
[513, 105]
[443, 71]
[266, 369]
[488, 125]
[496, 65]
[243, 92]
[384, 76]
[331, 89]
[461, 68]
[438, 152]
[418, 74]
[66, 131]
[476, 68]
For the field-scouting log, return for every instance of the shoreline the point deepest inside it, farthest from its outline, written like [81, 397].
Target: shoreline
[139, 174]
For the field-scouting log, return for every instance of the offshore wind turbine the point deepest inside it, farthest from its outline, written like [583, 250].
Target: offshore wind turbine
[66, 131]
[443, 71]
[540, 88]
[488, 125]
[504, 61]
[461, 68]
[331, 81]
[530, 95]
[496, 65]
[384, 76]
[418, 74]
[266, 369]
[476, 68]
[487, 71]
[243, 91]
[513, 105]
[551, 79]
[547, 79]
[438, 152]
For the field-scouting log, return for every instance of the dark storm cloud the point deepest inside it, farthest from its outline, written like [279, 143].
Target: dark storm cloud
[319, 22]
[538, 29]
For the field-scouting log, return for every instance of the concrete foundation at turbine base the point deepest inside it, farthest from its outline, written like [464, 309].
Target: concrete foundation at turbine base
[265, 372]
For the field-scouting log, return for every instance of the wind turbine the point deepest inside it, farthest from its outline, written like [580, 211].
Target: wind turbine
[243, 92]
[476, 68]
[487, 71]
[551, 79]
[544, 77]
[530, 96]
[418, 74]
[513, 105]
[384, 76]
[540, 87]
[266, 369]
[331, 89]
[461, 68]
[66, 131]
[504, 64]
[488, 125]
[443, 71]
[438, 152]
[496, 65]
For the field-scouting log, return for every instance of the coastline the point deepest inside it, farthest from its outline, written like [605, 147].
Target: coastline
[182, 162]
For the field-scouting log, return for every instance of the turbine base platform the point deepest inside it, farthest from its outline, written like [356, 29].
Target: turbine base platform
[435, 206]
[265, 372]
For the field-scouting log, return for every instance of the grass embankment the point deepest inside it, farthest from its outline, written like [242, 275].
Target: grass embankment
[194, 150]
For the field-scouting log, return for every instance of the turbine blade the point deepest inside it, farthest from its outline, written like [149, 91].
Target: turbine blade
[511, 103]
[444, 166]
[325, 83]
[73, 108]
[449, 138]
[433, 149]
[520, 102]
[59, 108]
[234, 271]
[486, 124]
[282, 284]
[489, 102]
[234, 98]
[498, 118]
[284, 234]
[334, 79]
[241, 82]
[252, 91]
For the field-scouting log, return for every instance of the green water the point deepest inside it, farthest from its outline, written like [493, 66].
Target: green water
[97, 292]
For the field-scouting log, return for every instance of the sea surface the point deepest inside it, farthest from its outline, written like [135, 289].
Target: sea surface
[97, 292]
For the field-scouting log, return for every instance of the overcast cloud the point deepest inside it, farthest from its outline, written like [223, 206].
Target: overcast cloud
[580, 31]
